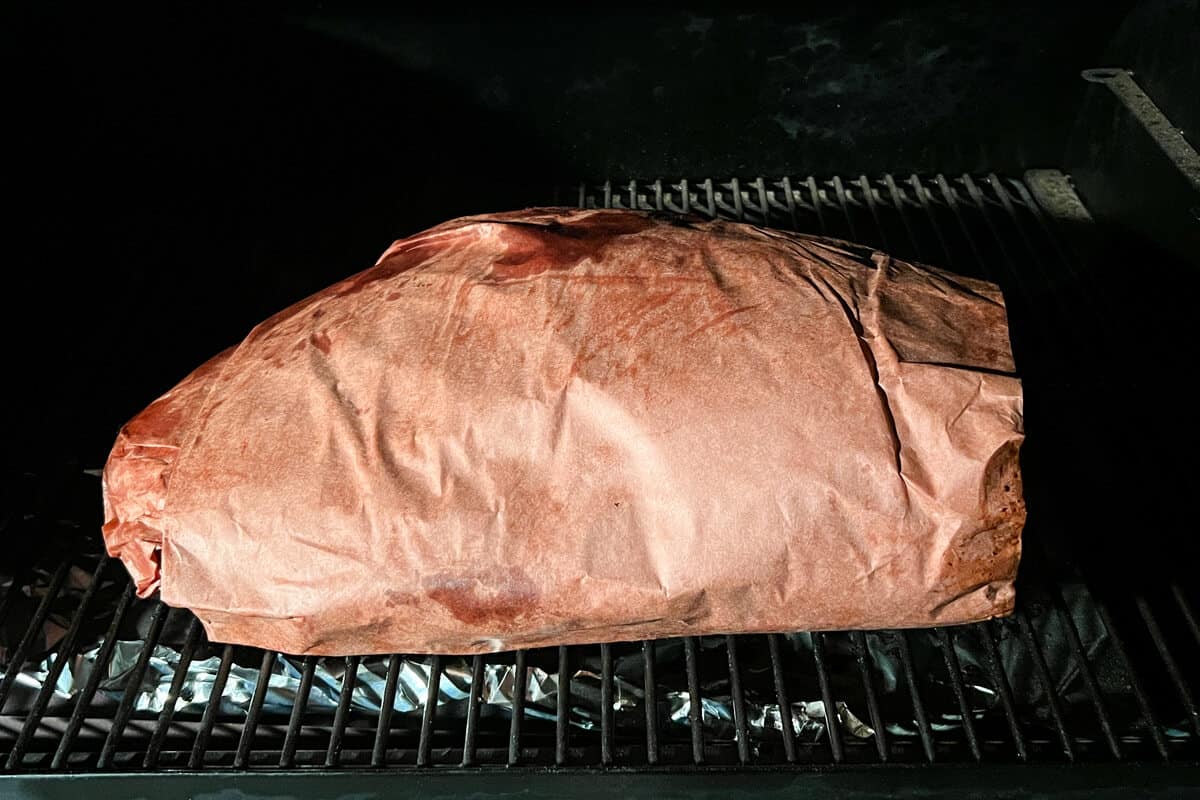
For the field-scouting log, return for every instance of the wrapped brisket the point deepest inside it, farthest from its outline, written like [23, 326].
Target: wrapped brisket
[558, 427]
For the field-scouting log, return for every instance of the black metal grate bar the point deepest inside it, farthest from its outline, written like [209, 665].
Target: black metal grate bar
[200, 746]
[562, 722]
[1052, 341]
[1160, 644]
[832, 725]
[862, 655]
[1185, 608]
[606, 704]
[333, 753]
[868, 193]
[954, 670]
[287, 758]
[914, 692]
[950, 197]
[1002, 686]
[520, 682]
[471, 731]
[980, 202]
[695, 710]
[1034, 252]
[1135, 684]
[35, 626]
[1048, 687]
[739, 700]
[66, 745]
[157, 621]
[433, 690]
[901, 208]
[250, 726]
[168, 711]
[11, 590]
[388, 703]
[815, 196]
[787, 720]
[1086, 672]
[923, 196]
[839, 191]
[66, 647]
[650, 689]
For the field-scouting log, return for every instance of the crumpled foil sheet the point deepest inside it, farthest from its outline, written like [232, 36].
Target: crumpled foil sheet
[412, 689]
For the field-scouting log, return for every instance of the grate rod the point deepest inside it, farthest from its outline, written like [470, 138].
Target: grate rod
[695, 712]
[650, 689]
[562, 706]
[472, 727]
[787, 729]
[1185, 608]
[432, 692]
[133, 686]
[923, 196]
[288, 756]
[981, 203]
[1106, 619]
[168, 711]
[831, 711]
[1002, 685]
[951, 199]
[1043, 675]
[35, 628]
[210, 710]
[862, 656]
[387, 705]
[11, 591]
[520, 684]
[1135, 683]
[1085, 670]
[1181, 687]
[65, 648]
[1030, 248]
[790, 200]
[914, 691]
[815, 193]
[954, 669]
[839, 190]
[1069, 262]
[739, 700]
[67, 743]
[606, 704]
[869, 199]
[242, 757]
[898, 204]
[333, 753]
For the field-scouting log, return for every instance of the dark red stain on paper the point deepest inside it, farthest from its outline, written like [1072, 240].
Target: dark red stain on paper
[532, 248]
[493, 597]
[321, 341]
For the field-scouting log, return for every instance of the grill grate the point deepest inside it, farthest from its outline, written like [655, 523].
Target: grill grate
[1057, 696]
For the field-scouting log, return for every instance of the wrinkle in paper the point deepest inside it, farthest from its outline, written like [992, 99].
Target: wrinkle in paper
[554, 427]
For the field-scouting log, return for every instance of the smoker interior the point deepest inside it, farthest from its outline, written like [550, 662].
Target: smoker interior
[1097, 665]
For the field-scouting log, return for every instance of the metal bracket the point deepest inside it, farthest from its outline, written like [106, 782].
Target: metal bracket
[1169, 138]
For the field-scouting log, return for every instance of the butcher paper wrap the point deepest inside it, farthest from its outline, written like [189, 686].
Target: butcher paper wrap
[560, 427]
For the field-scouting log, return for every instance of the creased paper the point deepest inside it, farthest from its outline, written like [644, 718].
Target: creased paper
[557, 427]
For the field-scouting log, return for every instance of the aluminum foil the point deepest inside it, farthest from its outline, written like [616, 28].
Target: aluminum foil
[499, 686]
